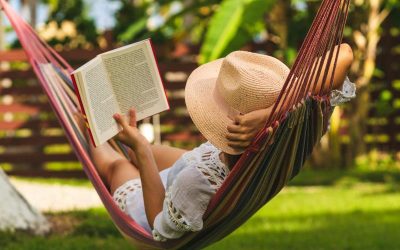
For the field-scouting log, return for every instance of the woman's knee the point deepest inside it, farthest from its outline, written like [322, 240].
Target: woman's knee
[120, 167]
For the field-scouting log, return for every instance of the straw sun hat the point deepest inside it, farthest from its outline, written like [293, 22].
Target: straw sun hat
[239, 83]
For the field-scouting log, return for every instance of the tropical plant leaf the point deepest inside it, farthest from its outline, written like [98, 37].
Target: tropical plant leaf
[223, 27]
[133, 30]
[232, 26]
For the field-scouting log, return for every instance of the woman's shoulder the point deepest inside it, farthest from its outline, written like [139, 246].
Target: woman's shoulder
[206, 160]
[194, 156]
[206, 146]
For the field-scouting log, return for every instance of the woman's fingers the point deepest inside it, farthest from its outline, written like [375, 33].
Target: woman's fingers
[238, 137]
[233, 128]
[132, 117]
[238, 119]
[239, 145]
[121, 120]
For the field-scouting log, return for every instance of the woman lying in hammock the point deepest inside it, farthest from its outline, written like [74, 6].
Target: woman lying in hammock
[166, 190]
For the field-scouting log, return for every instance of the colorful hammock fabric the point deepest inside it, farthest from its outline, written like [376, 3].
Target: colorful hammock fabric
[261, 172]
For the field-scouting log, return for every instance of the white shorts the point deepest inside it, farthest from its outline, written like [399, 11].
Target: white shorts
[129, 197]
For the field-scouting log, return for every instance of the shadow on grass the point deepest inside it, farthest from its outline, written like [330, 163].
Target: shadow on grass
[360, 229]
[355, 230]
[78, 230]
[333, 177]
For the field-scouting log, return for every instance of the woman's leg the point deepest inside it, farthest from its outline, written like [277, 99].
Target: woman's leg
[113, 168]
[165, 156]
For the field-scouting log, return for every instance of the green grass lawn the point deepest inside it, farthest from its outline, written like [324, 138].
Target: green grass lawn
[335, 210]
[361, 216]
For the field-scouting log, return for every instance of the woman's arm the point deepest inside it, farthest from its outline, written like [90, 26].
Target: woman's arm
[244, 128]
[345, 59]
[153, 189]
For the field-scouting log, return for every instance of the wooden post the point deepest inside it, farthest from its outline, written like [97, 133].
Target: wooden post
[33, 12]
[2, 34]
[157, 129]
[2, 30]
[29, 8]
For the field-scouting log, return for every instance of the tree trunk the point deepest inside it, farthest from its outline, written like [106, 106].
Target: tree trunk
[278, 20]
[15, 212]
[366, 40]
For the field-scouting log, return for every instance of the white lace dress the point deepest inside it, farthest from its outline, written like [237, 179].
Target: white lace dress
[345, 94]
[190, 184]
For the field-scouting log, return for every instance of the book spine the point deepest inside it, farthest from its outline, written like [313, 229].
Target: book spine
[82, 108]
[158, 69]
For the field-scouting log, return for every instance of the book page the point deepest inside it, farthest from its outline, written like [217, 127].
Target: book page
[55, 85]
[65, 82]
[135, 79]
[101, 102]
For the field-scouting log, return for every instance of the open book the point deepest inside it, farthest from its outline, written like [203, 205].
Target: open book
[115, 81]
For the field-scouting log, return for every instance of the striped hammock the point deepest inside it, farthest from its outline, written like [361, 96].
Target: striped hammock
[261, 172]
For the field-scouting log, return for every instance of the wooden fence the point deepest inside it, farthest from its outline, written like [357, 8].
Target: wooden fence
[384, 122]
[32, 142]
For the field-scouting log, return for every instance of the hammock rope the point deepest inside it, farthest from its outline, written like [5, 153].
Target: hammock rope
[261, 172]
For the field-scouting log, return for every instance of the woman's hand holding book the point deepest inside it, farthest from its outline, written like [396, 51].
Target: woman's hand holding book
[130, 134]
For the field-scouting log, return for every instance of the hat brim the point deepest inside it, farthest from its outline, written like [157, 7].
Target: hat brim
[211, 121]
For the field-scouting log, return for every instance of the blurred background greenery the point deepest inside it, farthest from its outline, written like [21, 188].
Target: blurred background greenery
[216, 28]
[348, 197]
